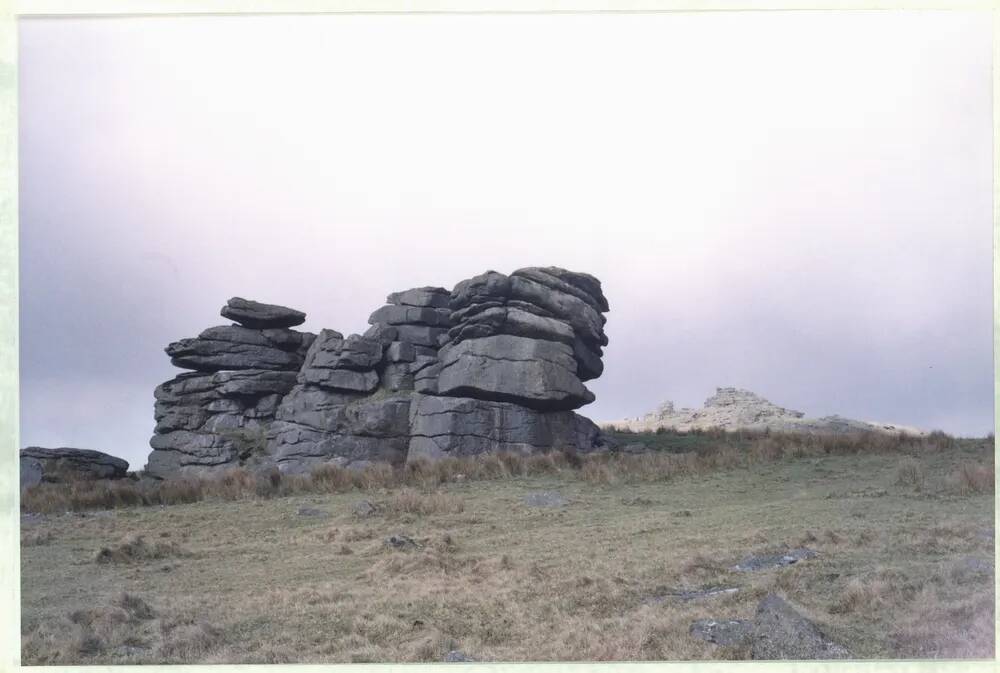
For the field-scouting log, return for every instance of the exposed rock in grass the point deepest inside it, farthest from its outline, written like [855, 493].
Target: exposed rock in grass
[311, 511]
[687, 595]
[545, 499]
[364, 508]
[458, 655]
[403, 542]
[764, 561]
[780, 632]
[777, 631]
[725, 632]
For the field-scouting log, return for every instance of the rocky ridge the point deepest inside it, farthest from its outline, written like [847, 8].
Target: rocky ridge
[495, 364]
[738, 409]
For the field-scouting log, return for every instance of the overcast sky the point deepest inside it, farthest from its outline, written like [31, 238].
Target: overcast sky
[794, 203]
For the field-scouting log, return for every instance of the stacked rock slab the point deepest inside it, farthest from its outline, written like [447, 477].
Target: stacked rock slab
[217, 416]
[352, 402]
[496, 364]
[513, 367]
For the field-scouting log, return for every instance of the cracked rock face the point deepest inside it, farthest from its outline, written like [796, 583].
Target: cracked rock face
[496, 364]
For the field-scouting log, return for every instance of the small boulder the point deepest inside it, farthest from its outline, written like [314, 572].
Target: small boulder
[400, 541]
[256, 315]
[458, 655]
[364, 508]
[545, 499]
[780, 632]
[31, 471]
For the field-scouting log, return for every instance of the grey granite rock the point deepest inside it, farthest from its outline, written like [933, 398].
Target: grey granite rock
[257, 315]
[535, 373]
[781, 632]
[66, 464]
[433, 297]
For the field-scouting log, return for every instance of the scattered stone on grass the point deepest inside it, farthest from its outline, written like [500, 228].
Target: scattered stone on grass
[545, 499]
[400, 541]
[764, 561]
[722, 631]
[458, 655]
[687, 595]
[364, 508]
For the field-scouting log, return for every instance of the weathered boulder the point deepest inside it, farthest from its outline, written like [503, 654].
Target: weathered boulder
[31, 471]
[535, 373]
[69, 464]
[261, 316]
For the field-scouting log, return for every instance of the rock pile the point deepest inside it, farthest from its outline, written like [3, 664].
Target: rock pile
[497, 364]
[218, 415]
[738, 409]
[67, 464]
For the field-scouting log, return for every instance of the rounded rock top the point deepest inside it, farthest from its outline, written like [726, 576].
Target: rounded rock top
[257, 315]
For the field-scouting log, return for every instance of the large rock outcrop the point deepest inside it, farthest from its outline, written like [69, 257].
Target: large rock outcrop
[218, 415]
[67, 464]
[497, 364]
[737, 409]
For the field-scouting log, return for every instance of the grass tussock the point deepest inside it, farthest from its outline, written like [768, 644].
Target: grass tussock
[136, 550]
[972, 478]
[702, 452]
[910, 472]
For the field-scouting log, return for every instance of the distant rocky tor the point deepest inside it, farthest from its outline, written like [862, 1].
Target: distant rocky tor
[66, 464]
[496, 364]
[737, 409]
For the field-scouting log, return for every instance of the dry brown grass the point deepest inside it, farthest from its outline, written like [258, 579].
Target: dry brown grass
[910, 473]
[972, 477]
[713, 450]
[136, 549]
[897, 575]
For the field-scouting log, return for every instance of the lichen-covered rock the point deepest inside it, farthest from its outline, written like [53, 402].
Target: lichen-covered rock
[66, 464]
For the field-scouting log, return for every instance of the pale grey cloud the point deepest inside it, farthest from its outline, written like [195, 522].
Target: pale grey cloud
[797, 203]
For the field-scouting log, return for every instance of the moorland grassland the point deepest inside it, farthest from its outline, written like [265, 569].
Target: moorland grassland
[272, 569]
